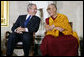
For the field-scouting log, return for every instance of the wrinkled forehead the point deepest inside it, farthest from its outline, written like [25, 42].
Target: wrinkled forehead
[51, 6]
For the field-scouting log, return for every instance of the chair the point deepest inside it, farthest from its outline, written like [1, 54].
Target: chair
[71, 24]
[19, 45]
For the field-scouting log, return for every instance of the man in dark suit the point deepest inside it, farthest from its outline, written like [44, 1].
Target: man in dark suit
[23, 30]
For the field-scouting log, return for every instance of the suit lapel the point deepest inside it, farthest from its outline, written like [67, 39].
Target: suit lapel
[31, 20]
[23, 20]
[25, 17]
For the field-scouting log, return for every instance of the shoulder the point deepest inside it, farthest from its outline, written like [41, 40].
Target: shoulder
[61, 15]
[22, 15]
[36, 18]
[47, 20]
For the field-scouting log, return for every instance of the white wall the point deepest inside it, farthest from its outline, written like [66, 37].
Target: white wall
[74, 11]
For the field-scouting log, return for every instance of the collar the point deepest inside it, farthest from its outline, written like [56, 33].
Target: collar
[28, 16]
[53, 17]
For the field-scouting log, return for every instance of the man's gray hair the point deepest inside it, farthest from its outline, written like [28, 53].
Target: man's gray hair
[29, 6]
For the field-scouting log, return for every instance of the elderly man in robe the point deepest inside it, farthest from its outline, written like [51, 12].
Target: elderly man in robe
[60, 40]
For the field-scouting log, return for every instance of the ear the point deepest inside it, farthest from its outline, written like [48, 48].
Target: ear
[29, 10]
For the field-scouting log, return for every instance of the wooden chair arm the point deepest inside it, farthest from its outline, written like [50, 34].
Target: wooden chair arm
[7, 33]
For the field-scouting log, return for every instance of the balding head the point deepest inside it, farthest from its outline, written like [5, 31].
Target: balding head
[53, 5]
[52, 9]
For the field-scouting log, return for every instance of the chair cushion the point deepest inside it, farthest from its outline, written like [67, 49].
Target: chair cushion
[19, 43]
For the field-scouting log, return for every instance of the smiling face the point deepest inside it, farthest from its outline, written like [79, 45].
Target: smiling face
[33, 10]
[51, 10]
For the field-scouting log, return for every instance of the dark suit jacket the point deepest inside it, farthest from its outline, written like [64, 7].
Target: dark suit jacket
[33, 24]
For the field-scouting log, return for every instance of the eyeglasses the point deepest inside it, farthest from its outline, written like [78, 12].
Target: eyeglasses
[34, 9]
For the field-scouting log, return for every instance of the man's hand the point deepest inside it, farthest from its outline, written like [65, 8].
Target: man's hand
[20, 30]
[59, 28]
[49, 27]
[53, 27]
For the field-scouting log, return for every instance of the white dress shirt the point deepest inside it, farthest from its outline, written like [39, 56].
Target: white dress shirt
[26, 29]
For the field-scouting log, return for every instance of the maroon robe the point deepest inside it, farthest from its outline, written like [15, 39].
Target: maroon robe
[64, 45]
